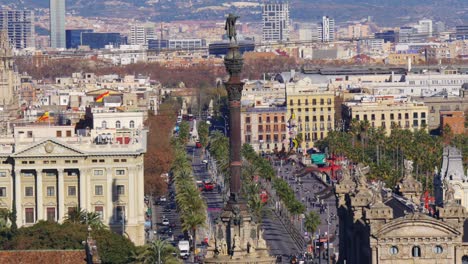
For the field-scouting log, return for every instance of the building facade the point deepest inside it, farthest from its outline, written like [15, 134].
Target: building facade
[275, 19]
[312, 112]
[48, 171]
[57, 24]
[327, 29]
[20, 27]
[73, 37]
[100, 40]
[378, 226]
[140, 34]
[385, 113]
[265, 128]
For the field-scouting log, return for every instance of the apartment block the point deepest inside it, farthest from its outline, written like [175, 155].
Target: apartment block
[311, 112]
[385, 112]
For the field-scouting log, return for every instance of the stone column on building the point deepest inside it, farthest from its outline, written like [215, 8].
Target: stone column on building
[39, 196]
[132, 189]
[139, 174]
[109, 195]
[61, 196]
[84, 187]
[18, 199]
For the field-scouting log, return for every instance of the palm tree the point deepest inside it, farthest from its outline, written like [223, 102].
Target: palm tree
[79, 216]
[311, 223]
[158, 251]
[191, 220]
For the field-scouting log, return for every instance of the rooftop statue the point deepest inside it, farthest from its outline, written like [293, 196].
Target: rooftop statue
[230, 28]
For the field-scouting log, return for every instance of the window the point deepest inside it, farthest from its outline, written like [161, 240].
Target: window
[438, 249]
[393, 250]
[3, 192]
[117, 124]
[69, 133]
[415, 115]
[99, 211]
[423, 115]
[29, 213]
[416, 252]
[120, 172]
[28, 191]
[71, 190]
[132, 124]
[120, 190]
[71, 210]
[329, 101]
[2, 174]
[123, 160]
[50, 191]
[247, 119]
[268, 119]
[94, 160]
[103, 124]
[98, 172]
[392, 116]
[98, 190]
[59, 133]
[383, 117]
[51, 214]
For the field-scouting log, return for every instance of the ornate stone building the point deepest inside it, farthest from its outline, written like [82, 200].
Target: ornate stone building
[378, 226]
[47, 171]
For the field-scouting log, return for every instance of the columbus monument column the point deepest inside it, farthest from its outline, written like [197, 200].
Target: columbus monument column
[235, 237]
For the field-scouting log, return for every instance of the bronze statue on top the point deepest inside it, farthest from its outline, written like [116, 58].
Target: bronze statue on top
[230, 27]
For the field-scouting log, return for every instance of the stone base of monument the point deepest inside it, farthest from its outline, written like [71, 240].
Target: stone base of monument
[237, 238]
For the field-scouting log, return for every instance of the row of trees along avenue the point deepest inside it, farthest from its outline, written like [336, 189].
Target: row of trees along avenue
[385, 154]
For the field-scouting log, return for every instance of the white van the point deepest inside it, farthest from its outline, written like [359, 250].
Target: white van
[184, 248]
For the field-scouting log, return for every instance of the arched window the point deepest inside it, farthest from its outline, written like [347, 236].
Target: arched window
[104, 124]
[117, 124]
[465, 259]
[132, 124]
[438, 249]
[416, 252]
[393, 250]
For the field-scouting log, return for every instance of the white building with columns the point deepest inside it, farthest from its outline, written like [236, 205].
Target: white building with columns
[47, 171]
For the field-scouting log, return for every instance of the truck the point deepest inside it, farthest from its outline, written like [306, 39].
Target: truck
[184, 249]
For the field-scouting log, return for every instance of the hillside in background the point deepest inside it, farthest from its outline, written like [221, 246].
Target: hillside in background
[384, 12]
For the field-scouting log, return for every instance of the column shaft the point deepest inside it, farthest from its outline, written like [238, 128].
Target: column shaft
[110, 193]
[131, 198]
[83, 192]
[18, 199]
[39, 196]
[61, 196]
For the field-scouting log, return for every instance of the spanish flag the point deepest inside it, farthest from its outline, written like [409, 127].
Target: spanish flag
[101, 97]
[44, 117]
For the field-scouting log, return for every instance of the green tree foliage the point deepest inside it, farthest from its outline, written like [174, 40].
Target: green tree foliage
[79, 216]
[156, 250]
[112, 247]
[311, 222]
[385, 153]
[190, 203]
[184, 132]
[286, 194]
[203, 133]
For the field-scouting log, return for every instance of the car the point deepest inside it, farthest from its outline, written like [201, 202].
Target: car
[208, 185]
[198, 144]
[165, 222]
[162, 199]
